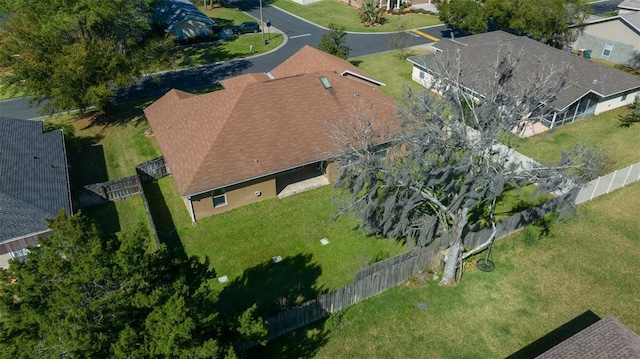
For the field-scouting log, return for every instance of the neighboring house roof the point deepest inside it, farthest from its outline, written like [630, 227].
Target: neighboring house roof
[478, 55]
[171, 13]
[261, 124]
[630, 5]
[632, 20]
[606, 338]
[35, 182]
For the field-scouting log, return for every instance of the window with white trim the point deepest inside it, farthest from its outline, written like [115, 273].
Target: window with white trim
[624, 97]
[20, 254]
[608, 47]
[421, 75]
[219, 198]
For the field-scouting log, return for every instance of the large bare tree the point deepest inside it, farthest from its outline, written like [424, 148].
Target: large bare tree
[453, 152]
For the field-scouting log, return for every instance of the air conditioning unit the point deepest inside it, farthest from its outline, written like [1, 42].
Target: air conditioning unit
[257, 193]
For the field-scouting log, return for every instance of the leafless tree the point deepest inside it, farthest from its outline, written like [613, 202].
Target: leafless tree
[451, 153]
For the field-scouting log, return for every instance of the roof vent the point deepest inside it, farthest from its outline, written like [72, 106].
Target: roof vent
[325, 82]
[355, 94]
[595, 81]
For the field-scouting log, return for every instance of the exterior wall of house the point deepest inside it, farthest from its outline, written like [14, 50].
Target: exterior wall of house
[421, 76]
[305, 2]
[190, 29]
[624, 43]
[615, 102]
[236, 196]
[14, 247]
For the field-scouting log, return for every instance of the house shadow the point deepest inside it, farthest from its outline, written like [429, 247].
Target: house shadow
[163, 220]
[556, 336]
[86, 160]
[272, 286]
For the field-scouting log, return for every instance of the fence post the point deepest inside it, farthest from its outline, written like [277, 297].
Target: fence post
[611, 183]
[595, 188]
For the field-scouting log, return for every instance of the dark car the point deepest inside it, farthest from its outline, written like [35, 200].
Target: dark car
[247, 27]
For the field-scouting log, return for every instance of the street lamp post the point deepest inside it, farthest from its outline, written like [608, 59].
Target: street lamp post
[261, 24]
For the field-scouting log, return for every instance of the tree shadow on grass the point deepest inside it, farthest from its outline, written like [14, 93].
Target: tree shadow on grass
[86, 161]
[272, 286]
[556, 336]
[163, 220]
[302, 343]
[105, 216]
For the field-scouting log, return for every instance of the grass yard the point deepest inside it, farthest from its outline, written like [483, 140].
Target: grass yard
[587, 264]
[378, 66]
[602, 130]
[241, 244]
[326, 12]
[106, 148]
[121, 217]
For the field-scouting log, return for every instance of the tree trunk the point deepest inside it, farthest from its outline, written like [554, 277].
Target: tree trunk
[459, 222]
[449, 275]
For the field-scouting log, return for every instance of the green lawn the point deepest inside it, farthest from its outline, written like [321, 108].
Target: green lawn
[602, 130]
[241, 244]
[379, 66]
[121, 217]
[109, 147]
[326, 12]
[588, 264]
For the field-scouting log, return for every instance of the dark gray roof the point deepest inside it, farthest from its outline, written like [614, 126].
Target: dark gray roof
[607, 338]
[173, 12]
[478, 56]
[34, 183]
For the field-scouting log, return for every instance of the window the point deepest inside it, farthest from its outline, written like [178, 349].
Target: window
[219, 198]
[624, 97]
[608, 47]
[20, 254]
[421, 75]
[382, 153]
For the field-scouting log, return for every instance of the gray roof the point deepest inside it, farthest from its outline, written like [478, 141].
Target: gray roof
[34, 183]
[606, 338]
[170, 13]
[631, 19]
[478, 55]
[630, 5]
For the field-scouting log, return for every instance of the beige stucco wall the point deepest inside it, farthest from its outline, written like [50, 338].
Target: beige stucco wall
[191, 29]
[615, 102]
[615, 31]
[237, 196]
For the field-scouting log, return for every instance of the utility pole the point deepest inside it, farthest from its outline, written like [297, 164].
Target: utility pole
[262, 24]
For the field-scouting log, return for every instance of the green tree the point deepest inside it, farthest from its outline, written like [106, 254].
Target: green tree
[75, 53]
[547, 21]
[334, 42]
[632, 116]
[84, 294]
[370, 13]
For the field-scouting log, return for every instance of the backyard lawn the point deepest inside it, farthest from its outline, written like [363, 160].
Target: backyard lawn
[602, 130]
[241, 244]
[326, 12]
[539, 284]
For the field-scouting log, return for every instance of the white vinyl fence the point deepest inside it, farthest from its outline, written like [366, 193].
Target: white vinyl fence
[611, 182]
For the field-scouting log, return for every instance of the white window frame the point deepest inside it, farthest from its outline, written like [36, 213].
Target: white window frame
[421, 75]
[608, 48]
[20, 254]
[217, 195]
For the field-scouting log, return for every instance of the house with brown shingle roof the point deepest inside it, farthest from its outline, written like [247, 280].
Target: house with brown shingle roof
[249, 141]
[589, 88]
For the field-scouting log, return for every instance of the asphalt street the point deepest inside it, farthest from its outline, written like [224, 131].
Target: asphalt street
[298, 32]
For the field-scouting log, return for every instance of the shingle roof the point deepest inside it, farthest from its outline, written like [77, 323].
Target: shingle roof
[258, 125]
[478, 54]
[173, 12]
[630, 5]
[607, 338]
[34, 183]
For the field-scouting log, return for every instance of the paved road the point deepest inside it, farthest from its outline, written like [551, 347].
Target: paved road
[298, 31]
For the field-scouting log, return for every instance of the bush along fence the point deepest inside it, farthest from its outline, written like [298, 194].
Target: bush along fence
[389, 273]
[123, 188]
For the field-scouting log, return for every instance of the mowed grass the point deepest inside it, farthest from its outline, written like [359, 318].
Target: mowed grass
[602, 131]
[327, 12]
[587, 264]
[241, 244]
[378, 66]
[108, 147]
[121, 217]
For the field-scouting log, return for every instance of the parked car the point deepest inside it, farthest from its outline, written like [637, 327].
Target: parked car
[247, 27]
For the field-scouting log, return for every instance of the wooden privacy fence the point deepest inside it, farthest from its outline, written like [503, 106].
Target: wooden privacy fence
[612, 181]
[389, 273]
[99, 193]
